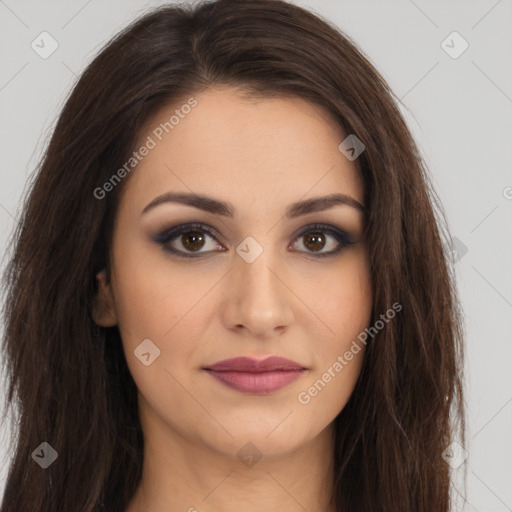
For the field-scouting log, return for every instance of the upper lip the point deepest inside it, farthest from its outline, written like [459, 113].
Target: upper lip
[249, 364]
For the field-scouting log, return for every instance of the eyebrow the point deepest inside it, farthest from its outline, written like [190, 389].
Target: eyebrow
[225, 209]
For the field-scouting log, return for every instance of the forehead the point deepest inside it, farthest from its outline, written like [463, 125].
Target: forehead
[247, 150]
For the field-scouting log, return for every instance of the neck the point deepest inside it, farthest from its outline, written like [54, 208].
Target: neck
[181, 476]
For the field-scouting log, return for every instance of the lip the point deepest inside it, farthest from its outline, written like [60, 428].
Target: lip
[251, 375]
[250, 364]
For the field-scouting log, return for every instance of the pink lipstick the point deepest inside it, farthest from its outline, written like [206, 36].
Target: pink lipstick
[256, 376]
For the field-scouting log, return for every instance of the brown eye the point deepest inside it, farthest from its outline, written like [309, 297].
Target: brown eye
[187, 239]
[323, 240]
[193, 240]
[314, 241]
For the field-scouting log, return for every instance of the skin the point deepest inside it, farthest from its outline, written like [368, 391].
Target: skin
[260, 156]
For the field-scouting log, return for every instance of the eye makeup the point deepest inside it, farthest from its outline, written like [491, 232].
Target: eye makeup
[318, 232]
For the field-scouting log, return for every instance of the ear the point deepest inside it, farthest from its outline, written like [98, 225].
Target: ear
[104, 313]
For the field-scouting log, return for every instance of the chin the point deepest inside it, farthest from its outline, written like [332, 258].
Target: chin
[255, 441]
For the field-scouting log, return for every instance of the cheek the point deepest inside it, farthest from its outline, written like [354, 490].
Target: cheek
[339, 354]
[156, 301]
[152, 294]
[155, 304]
[344, 301]
[351, 311]
[346, 307]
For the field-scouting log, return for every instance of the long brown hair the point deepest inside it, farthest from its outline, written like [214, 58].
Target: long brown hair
[68, 381]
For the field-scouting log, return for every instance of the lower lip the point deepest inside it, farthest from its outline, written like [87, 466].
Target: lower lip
[252, 382]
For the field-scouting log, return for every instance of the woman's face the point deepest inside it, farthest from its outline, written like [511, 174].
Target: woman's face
[254, 283]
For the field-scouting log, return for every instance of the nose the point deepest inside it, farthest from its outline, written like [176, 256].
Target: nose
[258, 301]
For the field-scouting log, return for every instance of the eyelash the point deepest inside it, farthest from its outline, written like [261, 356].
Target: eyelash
[342, 237]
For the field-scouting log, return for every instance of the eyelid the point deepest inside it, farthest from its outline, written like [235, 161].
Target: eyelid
[344, 239]
[169, 234]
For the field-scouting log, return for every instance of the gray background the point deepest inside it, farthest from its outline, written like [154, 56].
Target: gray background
[459, 110]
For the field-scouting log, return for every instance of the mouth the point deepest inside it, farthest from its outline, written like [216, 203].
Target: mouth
[250, 375]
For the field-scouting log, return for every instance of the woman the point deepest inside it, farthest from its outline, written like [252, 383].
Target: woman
[228, 288]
